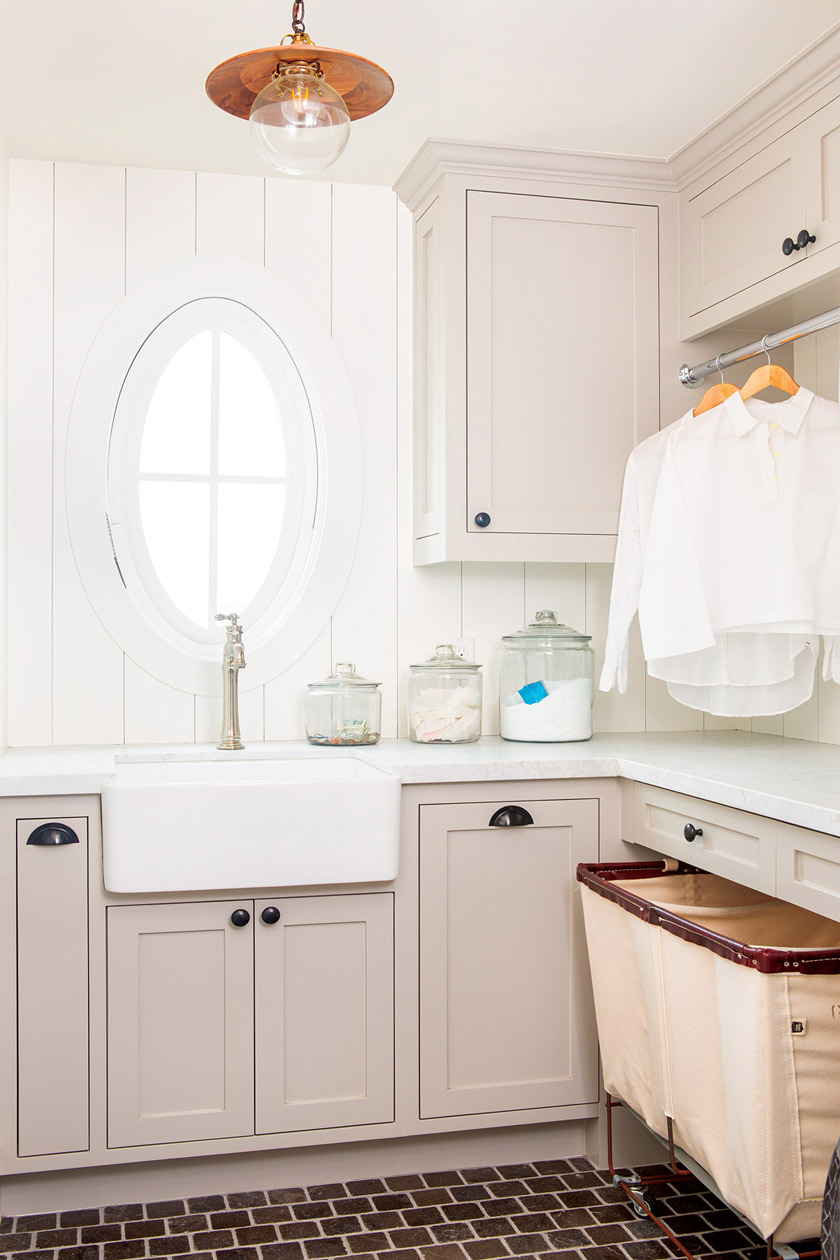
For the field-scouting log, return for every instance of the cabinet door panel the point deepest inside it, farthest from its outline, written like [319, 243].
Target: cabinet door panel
[180, 1023]
[822, 136]
[563, 358]
[505, 1007]
[325, 1012]
[52, 961]
[733, 231]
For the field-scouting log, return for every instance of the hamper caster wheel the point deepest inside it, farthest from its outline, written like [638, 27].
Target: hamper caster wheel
[649, 1203]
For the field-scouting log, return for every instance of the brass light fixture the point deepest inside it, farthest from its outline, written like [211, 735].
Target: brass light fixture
[300, 98]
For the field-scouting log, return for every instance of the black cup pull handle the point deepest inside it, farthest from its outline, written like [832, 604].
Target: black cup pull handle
[511, 816]
[691, 832]
[53, 833]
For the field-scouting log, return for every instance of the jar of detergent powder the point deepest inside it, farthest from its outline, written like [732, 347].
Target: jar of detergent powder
[545, 683]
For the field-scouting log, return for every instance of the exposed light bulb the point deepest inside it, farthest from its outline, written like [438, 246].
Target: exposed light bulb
[299, 124]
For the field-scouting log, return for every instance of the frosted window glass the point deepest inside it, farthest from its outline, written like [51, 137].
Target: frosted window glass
[176, 437]
[250, 522]
[250, 432]
[176, 523]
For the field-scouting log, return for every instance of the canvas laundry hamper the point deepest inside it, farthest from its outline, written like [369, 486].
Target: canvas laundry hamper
[719, 1007]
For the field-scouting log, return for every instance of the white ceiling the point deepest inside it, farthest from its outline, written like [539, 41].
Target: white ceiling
[115, 82]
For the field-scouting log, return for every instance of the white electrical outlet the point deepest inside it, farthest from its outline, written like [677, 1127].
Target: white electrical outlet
[465, 648]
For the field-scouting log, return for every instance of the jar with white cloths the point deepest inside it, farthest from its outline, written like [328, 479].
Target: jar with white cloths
[444, 699]
[545, 683]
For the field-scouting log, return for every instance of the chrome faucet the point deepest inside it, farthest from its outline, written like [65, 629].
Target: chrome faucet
[233, 659]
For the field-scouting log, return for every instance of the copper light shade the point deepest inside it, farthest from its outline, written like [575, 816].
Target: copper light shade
[293, 115]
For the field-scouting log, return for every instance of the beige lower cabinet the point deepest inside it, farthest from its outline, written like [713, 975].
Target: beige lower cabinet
[324, 1011]
[53, 989]
[506, 1021]
[190, 982]
[180, 1023]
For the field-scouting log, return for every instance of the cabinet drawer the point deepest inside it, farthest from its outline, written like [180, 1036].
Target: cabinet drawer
[808, 869]
[736, 845]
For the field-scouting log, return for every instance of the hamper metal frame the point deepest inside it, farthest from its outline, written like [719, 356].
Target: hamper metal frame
[633, 1184]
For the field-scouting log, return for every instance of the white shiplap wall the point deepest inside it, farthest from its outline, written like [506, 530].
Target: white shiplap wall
[80, 237]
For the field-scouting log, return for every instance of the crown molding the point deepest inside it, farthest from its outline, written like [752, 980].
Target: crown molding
[812, 70]
[453, 157]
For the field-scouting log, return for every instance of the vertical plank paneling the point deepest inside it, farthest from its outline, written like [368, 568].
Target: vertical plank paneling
[230, 218]
[298, 247]
[429, 597]
[613, 712]
[154, 712]
[298, 226]
[285, 696]
[159, 230]
[561, 587]
[159, 221]
[493, 605]
[89, 281]
[664, 713]
[364, 268]
[29, 492]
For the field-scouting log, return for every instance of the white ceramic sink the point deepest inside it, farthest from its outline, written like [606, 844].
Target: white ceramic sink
[192, 825]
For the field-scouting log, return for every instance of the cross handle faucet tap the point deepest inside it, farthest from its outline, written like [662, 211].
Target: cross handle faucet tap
[233, 659]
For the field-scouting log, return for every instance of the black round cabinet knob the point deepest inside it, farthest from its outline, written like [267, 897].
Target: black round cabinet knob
[803, 240]
[691, 832]
[239, 918]
[482, 520]
[270, 915]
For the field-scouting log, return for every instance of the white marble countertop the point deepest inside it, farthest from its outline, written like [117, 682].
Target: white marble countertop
[793, 780]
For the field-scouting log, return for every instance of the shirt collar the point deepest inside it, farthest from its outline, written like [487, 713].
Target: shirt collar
[788, 414]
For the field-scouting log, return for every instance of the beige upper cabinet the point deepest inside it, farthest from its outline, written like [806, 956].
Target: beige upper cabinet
[556, 288]
[506, 1020]
[735, 218]
[536, 365]
[732, 231]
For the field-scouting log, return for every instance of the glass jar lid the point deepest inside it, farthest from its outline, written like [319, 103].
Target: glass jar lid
[344, 676]
[446, 659]
[546, 631]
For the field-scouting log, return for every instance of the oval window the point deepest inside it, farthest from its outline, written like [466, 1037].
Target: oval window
[208, 467]
[214, 464]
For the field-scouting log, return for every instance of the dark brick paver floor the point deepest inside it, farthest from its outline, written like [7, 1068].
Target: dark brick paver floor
[541, 1209]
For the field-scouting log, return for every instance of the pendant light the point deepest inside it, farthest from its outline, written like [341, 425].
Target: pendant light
[299, 98]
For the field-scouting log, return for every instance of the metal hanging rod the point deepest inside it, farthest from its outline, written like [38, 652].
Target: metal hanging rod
[694, 376]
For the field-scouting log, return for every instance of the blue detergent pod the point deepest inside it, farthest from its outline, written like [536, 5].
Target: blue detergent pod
[532, 693]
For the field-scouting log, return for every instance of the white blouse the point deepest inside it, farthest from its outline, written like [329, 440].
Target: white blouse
[729, 549]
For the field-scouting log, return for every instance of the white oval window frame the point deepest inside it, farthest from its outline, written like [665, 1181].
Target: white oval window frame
[281, 635]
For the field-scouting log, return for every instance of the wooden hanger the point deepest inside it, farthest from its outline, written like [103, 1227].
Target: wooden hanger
[769, 374]
[714, 397]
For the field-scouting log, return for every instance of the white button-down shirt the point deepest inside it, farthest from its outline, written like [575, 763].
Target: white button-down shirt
[729, 527]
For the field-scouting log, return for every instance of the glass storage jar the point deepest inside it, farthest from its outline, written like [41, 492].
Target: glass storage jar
[444, 699]
[545, 683]
[343, 709]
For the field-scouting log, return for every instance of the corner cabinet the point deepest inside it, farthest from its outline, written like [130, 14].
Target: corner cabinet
[735, 218]
[536, 364]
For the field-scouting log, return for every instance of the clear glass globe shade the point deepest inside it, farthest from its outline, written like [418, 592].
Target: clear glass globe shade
[299, 124]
